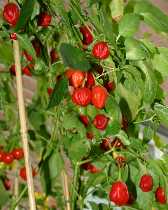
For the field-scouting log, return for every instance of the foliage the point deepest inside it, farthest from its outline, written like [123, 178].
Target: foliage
[137, 68]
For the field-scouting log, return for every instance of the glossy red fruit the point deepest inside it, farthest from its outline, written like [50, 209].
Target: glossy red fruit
[44, 19]
[82, 96]
[101, 50]
[1, 155]
[22, 173]
[105, 145]
[27, 56]
[37, 47]
[13, 70]
[110, 86]
[7, 184]
[120, 161]
[13, 36]
[146, 183]
[90, 82]
[54, 56]
[90, 167]
[89, 135]
[77, 78]
[26, 71]
[87, 36]
[8, 158]
[117, 143]
[18, 153]
[49, 91]
[68, 73]
[11, 13]
[84, 119]
[160, 195]
[100, 121]
[99, 96]
[119, 193]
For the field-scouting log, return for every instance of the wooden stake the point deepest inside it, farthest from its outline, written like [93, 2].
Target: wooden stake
[66, 190]
[23, 126]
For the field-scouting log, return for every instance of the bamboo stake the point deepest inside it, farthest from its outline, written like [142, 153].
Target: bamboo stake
[16, 190]
[66, 190]
[23, 126]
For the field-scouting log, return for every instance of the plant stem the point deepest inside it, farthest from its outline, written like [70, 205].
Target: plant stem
[19, 198]
[74, 186]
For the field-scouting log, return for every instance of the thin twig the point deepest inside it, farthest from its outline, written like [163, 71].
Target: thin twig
[23, 126]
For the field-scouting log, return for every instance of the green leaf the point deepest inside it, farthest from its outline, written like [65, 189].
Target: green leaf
[117, 9]
[144, 200]
[148, 134]
[135, 50]
[74, 57]
[129, 25]
[124, 138]
[25, 14]
[55, 164]
[160, 63]
[113, 128]
[4, 195]
[60, 92]
[152, 15]
[71, 121]
[133, 100]
[162, 113]
[151, 85]
[6, 56]
[26, 44]
[113, 109]
[78, 148]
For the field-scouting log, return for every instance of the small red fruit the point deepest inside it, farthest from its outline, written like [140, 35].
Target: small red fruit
[89, 135]
[119, 193]
[50, 91]
[22, 173]
[13, 70]
[77, 78]
[101, 50]
[18, 153]
[87, 36]
[11, 13]
[54, 56]
[90, 167]
[26, 71]
[84, 119]
[110, 86]
[7, 184]
[90, 82]
[8, 158]
[105, 145]
[27, 56]
[1, 155]
[99, 96]
[82, 96]
[100, 121]
[121, 161]
[146, 183]
[117, 143]
[160, 195]
[37, 47]
[13, 36]
[68, 73]
[44, 19]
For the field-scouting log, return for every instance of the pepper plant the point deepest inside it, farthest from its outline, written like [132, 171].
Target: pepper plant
[97, 106]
